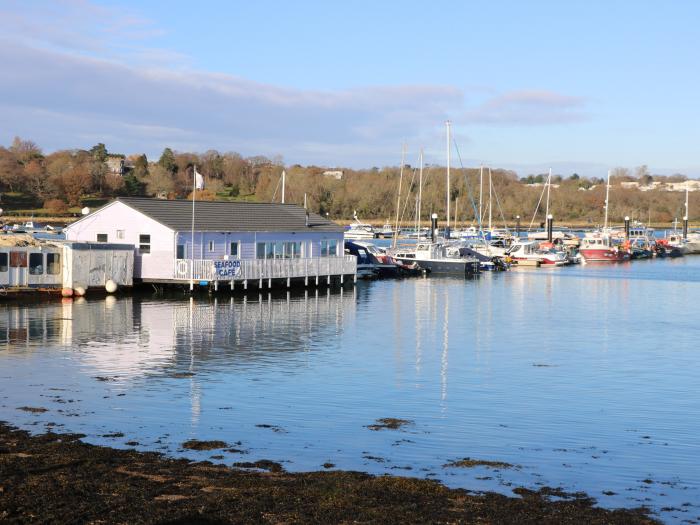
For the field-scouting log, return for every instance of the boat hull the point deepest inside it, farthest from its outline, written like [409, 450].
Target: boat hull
[447, 267]
[450, 267]
[607, 255]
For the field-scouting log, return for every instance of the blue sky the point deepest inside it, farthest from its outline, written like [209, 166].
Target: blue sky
[581, 86]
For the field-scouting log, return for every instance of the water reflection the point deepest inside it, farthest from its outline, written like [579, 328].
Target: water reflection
[130, 337]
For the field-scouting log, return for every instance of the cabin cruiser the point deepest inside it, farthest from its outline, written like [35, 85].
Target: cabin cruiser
[530, 252]
[440, 257]
[359, 230]
[690, 244]
[372, 262]
[599, 247]
[387, 231]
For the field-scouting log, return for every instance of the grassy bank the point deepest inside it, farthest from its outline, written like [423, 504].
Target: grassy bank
[55, 478]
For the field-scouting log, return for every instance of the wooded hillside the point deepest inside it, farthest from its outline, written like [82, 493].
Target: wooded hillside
[63, 181]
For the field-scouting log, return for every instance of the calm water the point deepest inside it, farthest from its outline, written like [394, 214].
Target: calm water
[583, 377]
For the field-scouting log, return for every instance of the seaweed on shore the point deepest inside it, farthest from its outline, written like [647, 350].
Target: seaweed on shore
[55, 478]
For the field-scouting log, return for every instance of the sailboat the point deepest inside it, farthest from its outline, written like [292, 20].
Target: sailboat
[598, 246]
[440, 255]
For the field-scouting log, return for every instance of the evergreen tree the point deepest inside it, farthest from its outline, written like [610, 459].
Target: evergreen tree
[167, 161]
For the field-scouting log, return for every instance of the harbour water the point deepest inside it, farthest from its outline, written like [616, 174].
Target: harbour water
[583, 377]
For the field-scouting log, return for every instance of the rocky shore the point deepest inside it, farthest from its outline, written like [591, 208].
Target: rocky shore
[56, 478]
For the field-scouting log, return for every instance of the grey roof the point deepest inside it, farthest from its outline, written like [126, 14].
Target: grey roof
[230, 216]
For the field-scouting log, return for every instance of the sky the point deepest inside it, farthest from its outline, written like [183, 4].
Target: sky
[580, 86]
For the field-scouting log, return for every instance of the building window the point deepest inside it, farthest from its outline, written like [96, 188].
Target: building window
[53, 263]
[36, 263]
[234, 249]
[144, 243]
[329, 248]
[120, 234]
[211, 246]
[292, 250]
[101, 237]
[278, 250]
[180, 251]
[3, 262]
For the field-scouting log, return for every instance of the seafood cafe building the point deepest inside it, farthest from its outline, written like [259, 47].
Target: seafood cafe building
[221, 243]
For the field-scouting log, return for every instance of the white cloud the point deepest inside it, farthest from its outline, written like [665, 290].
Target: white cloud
[66, 83]
[528, 108]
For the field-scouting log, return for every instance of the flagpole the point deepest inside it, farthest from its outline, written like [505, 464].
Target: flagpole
[194, 194]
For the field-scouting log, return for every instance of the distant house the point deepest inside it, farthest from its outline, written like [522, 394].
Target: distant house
[268, 240]
[336, 174]
[116, 164]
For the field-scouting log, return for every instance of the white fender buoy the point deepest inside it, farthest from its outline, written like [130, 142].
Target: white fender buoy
[110, 286]
[79, 291]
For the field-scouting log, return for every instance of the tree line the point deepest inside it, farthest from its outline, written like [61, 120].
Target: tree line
[63, 181]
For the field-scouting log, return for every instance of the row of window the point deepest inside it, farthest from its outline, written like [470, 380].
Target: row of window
[37, 264]
[264, 250]
[103, 237]
[278, 250]
[144, 240]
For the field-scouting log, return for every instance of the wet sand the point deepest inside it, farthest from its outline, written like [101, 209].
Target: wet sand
[56, 478]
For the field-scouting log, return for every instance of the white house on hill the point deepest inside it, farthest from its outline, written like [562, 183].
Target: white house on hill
[232, 240]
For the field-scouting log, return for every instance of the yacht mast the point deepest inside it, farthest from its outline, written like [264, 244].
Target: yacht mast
[447, 226]
[549, 185]
[481, 197]
[398, 196]
[490, 194]
[607, 196]
[420, 191]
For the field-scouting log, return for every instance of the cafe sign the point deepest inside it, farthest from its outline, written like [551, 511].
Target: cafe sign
[228, 269]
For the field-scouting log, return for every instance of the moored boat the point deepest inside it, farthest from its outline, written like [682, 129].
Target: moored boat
[439, 257]
[529, 252]
[599, 247]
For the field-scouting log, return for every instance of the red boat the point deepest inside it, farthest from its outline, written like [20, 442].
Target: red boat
[599, 247]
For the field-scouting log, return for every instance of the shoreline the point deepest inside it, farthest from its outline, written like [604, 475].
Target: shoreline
[58, 478]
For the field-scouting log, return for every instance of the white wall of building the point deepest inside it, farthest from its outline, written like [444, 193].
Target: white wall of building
[123, 224]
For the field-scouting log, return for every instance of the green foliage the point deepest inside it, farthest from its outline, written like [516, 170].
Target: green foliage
[99, 152]
[133, 186]
[167, 161]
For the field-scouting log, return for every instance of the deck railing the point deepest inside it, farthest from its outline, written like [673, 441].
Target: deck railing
[250, 269]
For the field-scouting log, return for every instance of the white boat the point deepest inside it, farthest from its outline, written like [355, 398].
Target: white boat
[359, 230]
[387, 231]
[530, 252]
[688, 245]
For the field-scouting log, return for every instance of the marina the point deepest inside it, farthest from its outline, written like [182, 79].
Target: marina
[569, 406]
